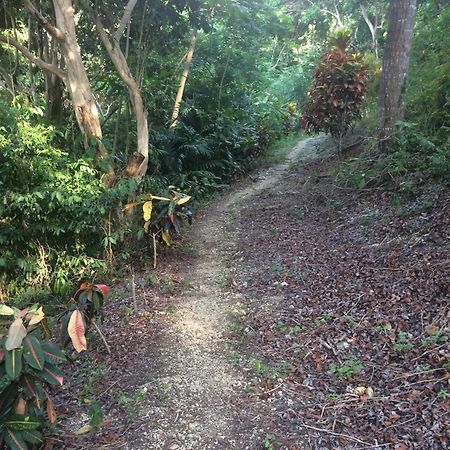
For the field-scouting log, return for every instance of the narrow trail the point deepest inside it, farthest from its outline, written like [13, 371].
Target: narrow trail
[205, 405]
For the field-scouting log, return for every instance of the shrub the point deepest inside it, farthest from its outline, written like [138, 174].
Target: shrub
[337, 94]
[29, 364]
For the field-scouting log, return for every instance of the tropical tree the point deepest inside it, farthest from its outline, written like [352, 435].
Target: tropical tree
[395, 66]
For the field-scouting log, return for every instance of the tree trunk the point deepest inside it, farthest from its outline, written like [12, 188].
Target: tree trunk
[395, 66]
[84, 104]
[184, 75]
[137, 167]
[54, 88]
[372, 28]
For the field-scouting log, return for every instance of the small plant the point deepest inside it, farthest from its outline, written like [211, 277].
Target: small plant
[132, 404]
[433, 340]
[333, 397]
[164, 219]
[167, 286]
[95, 415]
[323, 318]
[443, 394]
[402, 343]
[350, 320]
[258, 366]
[349, 368]
[269, 442]
[84, 308]
[276, 266]
[152, 279]
[289, 329]
[28, 366]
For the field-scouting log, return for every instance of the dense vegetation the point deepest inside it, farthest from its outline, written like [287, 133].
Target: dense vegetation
[249, 78]
[91, 119]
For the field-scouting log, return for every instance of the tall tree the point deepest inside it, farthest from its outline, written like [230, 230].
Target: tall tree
[396, 58]
[74, 77]
[137, 167]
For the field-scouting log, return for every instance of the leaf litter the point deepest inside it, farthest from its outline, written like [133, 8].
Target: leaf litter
[362, 311]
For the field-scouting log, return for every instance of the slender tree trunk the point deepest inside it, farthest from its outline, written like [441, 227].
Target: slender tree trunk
[184, 75]
[54, 87]
[372, 28]
[137, 167]
[395, 66]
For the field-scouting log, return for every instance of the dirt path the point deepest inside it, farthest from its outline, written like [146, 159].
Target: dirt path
[205, 403]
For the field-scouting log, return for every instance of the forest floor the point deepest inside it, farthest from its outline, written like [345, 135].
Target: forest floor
[293, 315]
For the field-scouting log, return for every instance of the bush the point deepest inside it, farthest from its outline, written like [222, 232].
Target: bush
[53, 208]
[337, 94]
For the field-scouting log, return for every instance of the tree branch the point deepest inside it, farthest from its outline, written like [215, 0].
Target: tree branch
[36, 61]
[367, 20]
[126, 17]
[54, 31]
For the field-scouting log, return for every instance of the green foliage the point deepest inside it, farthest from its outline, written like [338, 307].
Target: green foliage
[337, 94]
[163, 218]
[402, 343]
[28, 367]
[95, 415]
[349, 368]
[429, 79]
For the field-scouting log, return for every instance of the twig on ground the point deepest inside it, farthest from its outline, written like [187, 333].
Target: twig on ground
[108, 349]
[107, 389]
[407, 375]
[428, 351]
[345, 436]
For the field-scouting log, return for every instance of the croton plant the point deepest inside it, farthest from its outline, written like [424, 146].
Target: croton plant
[29, 363]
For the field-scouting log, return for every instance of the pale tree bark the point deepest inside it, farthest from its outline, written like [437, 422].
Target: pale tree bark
[373, 28]
[137, 166]
[75, 77]
[183, 79]
[84, 104]
[395, 66]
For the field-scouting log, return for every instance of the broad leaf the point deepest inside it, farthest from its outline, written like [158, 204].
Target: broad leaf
[147, 208]
[6, 310]
[22, 422]
[76, 330]
[32, 389]
[32, 436]
[184, 199]
[15, 440]
[166, 238]
[13, 363]
[52, 375]
[155, 197]
[52, 353]
[36, 317]
[104, 289]
[7, 400]
[33, 353]
[16, 333]
[20, 407]
[129, 206]
[84, 429]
